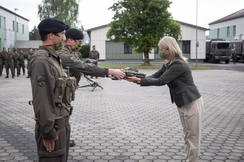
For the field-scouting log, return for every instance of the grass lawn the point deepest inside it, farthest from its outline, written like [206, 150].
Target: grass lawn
[152, 67]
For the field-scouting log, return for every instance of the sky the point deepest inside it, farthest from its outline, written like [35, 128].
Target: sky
[94, 13]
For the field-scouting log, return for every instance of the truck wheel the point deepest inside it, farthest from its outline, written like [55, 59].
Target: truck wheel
[227, 61]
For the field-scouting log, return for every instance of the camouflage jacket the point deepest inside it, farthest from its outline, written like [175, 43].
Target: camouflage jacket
[9, 57]
[94, 55]
[69, 59]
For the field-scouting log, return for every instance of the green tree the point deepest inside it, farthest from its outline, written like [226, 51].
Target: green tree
[67, 10]
[85, 50]
[141, 23]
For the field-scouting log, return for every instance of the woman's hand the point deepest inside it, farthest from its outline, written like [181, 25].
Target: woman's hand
[133, 79]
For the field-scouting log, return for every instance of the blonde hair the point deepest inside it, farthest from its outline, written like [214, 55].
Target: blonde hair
[170, 44]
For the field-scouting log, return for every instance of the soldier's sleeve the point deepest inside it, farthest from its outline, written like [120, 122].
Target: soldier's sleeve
[89, 56]
[80, 66]
[43, 83]
[98, 55]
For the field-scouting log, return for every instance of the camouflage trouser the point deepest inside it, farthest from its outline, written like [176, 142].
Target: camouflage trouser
[9, 65]
[1, 68]
[16, 66]
[22, 65]
[61, 150]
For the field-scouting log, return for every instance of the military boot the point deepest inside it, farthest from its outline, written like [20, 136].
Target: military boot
[6, 76]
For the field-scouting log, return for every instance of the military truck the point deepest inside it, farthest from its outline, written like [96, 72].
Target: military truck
[238, 49]
[218, 50]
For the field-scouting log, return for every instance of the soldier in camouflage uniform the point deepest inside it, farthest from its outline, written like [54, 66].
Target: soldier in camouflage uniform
[22, 61]
[28, 56]
[3, 59]
[9, 62]
[67, 55]
[52, 92]
[94, 54]
[16, 62]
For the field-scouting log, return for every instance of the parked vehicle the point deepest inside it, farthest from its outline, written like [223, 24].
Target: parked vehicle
[237, 48]
[218, 50]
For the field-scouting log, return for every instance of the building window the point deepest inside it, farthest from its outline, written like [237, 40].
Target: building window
[127, 49]
[234, 30]
[228, 31]
[13, 26]
[186, 46]
[156, 50]
[17, 27]
[23, 29]
[217, 33]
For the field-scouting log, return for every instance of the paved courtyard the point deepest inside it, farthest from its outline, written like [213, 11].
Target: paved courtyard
[127, 123]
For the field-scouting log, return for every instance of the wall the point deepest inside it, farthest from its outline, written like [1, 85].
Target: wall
[189, 33]
[110, 50]
[116, 51]
[98, 38]
[2, 33]
[239, 23]
[7, 34]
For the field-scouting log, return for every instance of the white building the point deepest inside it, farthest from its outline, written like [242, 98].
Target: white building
[12, 27]
[110, 50]
[230, 27]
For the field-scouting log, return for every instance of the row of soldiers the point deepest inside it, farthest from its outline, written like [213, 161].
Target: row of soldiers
[14, 61]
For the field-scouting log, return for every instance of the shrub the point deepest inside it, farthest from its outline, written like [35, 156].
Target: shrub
[85, 49]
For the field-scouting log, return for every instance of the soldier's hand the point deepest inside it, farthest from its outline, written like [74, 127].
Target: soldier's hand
[50, 144]
[116, 73]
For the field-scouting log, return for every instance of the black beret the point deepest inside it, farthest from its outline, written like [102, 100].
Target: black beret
[52, 25]
[74, 34]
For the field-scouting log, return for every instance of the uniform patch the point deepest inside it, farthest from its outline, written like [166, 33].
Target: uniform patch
[41, 80]
[73, 58]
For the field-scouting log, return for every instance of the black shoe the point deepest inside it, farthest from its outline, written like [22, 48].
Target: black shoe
[71, 143]
[18, 75]
[27, 77]
[6, 77]
[13, 76]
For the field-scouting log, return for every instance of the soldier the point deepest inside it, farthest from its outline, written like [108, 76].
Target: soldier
[16, 62]
[67, 55]
[74, 38]
[28, 56]
[94, 54]
[9, 62]
[3, 59]
[22, 61]
[51, 95]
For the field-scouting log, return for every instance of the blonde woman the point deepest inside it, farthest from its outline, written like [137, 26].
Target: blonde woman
[177, 75]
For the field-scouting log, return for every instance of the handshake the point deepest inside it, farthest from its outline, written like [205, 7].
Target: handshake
[131, 73]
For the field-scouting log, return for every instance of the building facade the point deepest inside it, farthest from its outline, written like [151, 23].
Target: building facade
[229, 28]
[13, 27]
[111, 50]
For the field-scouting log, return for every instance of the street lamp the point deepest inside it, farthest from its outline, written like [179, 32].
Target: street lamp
[15, 26]
[196, 32]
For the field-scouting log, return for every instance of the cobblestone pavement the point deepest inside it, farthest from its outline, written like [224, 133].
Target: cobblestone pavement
[127, 123]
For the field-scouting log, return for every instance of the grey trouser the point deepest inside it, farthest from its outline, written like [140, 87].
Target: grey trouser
[191, 120]
[9, 65]
[61, 150]
[22, 65]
